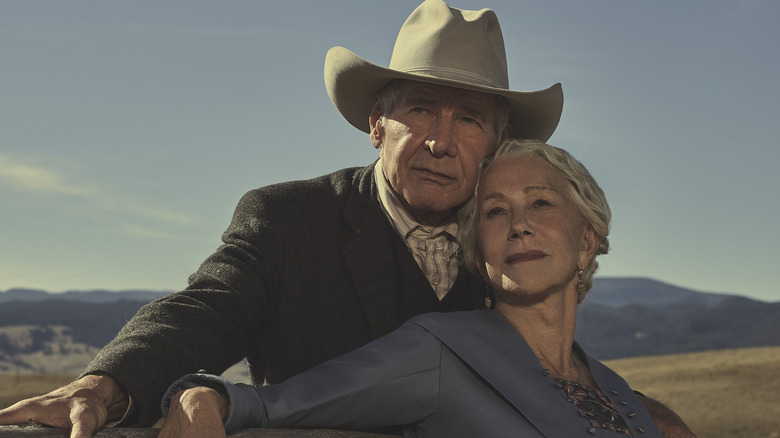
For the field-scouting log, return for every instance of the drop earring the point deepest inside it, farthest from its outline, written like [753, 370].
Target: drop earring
[488, 300]
[580, 284]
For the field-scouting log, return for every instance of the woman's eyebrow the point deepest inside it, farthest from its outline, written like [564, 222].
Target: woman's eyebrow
[492, 196]
[539, 188]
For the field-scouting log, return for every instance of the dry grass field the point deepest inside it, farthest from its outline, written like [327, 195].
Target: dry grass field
[17, 387]
[720, 394]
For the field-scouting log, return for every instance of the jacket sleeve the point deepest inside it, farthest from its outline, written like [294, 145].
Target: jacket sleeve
[208, 326]
[393, 380]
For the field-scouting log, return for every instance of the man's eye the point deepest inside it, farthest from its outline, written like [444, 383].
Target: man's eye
[471, 122]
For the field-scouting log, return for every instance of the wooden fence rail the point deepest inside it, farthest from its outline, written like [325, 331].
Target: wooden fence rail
[128, 432]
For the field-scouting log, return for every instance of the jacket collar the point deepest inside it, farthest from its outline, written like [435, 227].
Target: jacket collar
[502, 357]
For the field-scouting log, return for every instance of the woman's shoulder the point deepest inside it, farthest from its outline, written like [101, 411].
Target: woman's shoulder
[483, 316]
[458, 320]
[467, 327]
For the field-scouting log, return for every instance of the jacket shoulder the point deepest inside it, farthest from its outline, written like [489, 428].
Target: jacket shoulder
[289, 203]
[336, 184]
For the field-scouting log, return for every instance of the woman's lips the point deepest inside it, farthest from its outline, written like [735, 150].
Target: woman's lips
[525, 256]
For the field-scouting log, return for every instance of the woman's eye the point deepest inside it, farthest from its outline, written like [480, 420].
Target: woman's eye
[494, 211]
[541, 203]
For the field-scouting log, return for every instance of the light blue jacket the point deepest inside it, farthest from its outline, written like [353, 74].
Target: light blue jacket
[460, 374]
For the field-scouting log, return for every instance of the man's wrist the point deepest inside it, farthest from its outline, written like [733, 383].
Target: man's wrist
[114, 398]
[125, 415]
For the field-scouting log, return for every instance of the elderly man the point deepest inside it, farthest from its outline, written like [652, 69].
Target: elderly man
[312, 269]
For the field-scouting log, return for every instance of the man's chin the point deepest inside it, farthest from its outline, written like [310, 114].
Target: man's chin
[434, 213]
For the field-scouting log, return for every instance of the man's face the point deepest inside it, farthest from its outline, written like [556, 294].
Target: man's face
[432, 144]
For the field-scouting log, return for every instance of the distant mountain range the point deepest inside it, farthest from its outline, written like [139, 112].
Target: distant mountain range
[625, 317]
[96, 296]
[618, 292]
[622, 317]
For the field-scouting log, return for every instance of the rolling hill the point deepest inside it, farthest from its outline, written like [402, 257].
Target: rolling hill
[622, 317]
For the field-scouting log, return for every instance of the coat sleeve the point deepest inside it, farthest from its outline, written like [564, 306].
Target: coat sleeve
[391, 381]
[271, 293]
[208, 326]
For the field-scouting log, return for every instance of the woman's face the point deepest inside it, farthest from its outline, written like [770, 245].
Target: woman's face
[530, 235]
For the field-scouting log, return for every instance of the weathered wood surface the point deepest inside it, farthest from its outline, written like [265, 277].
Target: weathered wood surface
[129, 432]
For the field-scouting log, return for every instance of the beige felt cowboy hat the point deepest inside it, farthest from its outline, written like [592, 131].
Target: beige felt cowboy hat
[447, 46]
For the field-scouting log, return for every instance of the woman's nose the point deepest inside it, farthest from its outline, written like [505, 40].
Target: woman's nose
[520, 227]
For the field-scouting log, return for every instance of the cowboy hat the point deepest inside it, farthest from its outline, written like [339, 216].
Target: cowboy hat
[445, 46]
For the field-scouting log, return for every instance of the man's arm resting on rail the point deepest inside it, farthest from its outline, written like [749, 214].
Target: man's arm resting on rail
[83, 406]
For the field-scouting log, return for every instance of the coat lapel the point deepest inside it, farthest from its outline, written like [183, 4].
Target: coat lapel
[622, 397]
[495, 351]
[368, 255]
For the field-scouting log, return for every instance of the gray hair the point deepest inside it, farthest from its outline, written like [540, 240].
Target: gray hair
[582, 189]
[391, 94]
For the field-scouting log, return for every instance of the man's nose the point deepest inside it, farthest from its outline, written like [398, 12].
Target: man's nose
[440, 141]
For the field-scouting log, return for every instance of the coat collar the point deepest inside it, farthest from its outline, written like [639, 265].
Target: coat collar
[499, 354]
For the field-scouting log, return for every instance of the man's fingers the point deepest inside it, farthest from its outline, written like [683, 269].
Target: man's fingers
[82, 415]
[23, 412]
[81, 430]
[81, 406]
[86, 416]
[12, 415]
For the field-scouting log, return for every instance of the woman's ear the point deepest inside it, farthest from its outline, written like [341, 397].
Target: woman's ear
[481, 268]
[589, 244]
[376, 130]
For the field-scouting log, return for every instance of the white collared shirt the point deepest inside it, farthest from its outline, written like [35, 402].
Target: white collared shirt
[434, 248]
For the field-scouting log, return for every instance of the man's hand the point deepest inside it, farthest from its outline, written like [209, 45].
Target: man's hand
[196, 413]
[83, 406]
[669, 423]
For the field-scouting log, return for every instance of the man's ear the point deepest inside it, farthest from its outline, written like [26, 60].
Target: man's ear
[376, 130]
[504, 134]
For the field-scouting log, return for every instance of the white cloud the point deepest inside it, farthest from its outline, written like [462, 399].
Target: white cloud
[27, 177]
[140, 231]
[32, 178]
[157, 213]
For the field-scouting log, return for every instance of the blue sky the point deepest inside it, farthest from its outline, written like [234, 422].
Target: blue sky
[129, 130]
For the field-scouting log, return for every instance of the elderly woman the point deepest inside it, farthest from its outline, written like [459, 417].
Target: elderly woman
[533, 230]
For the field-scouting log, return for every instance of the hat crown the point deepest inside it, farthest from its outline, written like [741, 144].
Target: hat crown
[442, 42]
[442, 46]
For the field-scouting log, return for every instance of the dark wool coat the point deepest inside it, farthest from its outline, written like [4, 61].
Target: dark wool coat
[306, 273]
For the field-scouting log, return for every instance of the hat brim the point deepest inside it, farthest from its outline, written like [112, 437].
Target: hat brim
[352, 84]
